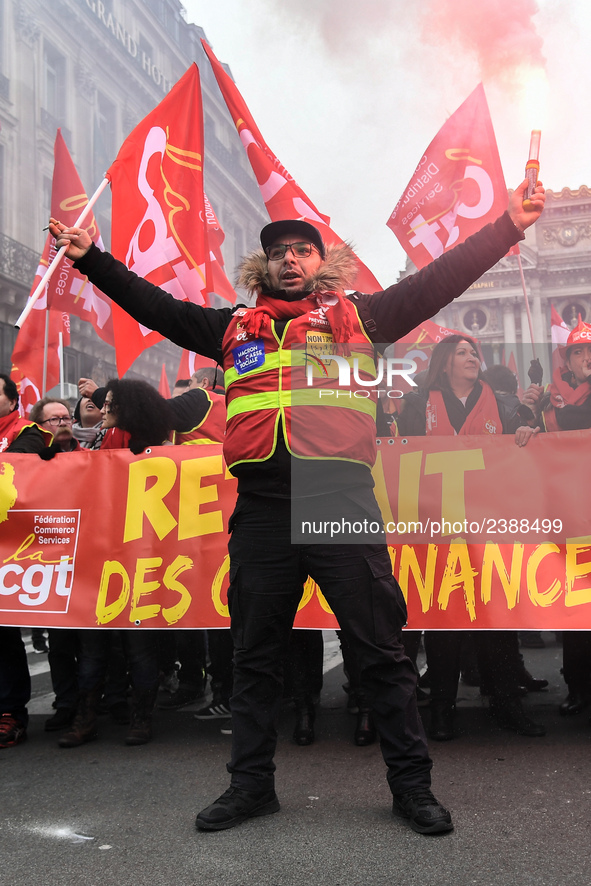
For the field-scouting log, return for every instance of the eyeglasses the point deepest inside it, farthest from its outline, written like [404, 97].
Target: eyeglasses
[278, 250]
[107, 405]
[57, 421]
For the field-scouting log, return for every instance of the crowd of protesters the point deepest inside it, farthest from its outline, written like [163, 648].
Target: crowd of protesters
[127, 673]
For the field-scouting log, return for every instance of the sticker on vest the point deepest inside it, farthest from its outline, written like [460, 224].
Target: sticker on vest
[250, 355]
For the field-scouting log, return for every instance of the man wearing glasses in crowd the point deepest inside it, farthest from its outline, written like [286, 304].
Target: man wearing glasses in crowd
[55, 416]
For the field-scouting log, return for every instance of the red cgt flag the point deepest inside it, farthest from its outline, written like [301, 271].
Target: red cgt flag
[35, 357]
[164, 387]
[68, 289]
[35, 367]
[216, 276]
[282, 195]
[457, 187]
[158, 208]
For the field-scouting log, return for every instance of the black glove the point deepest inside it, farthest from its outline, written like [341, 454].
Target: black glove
[50, 452]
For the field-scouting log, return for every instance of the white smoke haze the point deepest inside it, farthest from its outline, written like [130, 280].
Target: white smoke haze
[349, 94]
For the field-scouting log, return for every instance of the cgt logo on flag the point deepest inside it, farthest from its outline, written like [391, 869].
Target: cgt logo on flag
[158, 208]
[157, 242]
[457, 187]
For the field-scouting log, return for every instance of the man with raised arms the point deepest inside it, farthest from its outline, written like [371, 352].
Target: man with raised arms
[300, 286]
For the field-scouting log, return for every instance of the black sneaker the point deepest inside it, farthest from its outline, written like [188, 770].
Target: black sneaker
[62, 718]
[234, 806]
[425, 814]
[183, 696]
[510, 714]
[214, 711]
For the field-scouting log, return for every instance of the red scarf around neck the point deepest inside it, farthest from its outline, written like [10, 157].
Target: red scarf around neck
[269, 308]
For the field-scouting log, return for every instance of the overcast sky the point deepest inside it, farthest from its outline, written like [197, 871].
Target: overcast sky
[349, 93]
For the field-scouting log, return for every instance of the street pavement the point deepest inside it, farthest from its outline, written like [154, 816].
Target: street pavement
[106, 814]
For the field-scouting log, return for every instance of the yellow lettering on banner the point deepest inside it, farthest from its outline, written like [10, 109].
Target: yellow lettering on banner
[106, 612]
[193, 495]
[179, 565]
[574, 570]
[307, 594]
[409, 478]
[323, 601]
[143, 501]
[452, 466]
[425, 584]
[551, 594]
[141, 587]
[381, 490]
[510, 581]
[458, 556]
[216, 588]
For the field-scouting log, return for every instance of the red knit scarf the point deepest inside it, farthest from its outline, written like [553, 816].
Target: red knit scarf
[268, 308]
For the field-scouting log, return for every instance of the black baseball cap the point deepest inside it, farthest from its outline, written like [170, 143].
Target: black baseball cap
[274, 230]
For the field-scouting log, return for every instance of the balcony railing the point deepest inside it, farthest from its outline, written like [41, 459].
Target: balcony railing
[18, 263]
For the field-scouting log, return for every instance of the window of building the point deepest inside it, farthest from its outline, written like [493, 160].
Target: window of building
[105, 140]
[54, 83]
[2, 188]
[146, 49]
[46, 208]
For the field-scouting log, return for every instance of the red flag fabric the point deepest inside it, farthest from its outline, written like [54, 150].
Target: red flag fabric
[191, 362]
[158, 208]
[35, 369]
[69, 290]
[418, 344]
[32, 376]
[164, 387]
[282, 195]
[457, 187]
[559, 332]
[216, 276]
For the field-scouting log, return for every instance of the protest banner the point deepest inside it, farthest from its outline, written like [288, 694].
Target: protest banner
[482, 534]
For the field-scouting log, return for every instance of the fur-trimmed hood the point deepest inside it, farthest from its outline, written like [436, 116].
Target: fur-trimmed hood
[335, 274]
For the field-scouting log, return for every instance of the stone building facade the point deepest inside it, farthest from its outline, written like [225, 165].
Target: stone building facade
[95, 68]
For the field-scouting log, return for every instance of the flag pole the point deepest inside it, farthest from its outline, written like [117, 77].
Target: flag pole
[45, 351]
[58, 256]
[60, 352]
[529, 319]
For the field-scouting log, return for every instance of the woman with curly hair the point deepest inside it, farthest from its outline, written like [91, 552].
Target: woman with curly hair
[134, 416]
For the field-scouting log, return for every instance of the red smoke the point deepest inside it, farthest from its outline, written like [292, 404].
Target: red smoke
[500, 33]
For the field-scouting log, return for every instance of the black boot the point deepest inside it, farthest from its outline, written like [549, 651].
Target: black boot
[365, 731]
[84, 725]
[142, 705]
[509, 713]
[442, 721]
[574, 703]
[303, 733]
